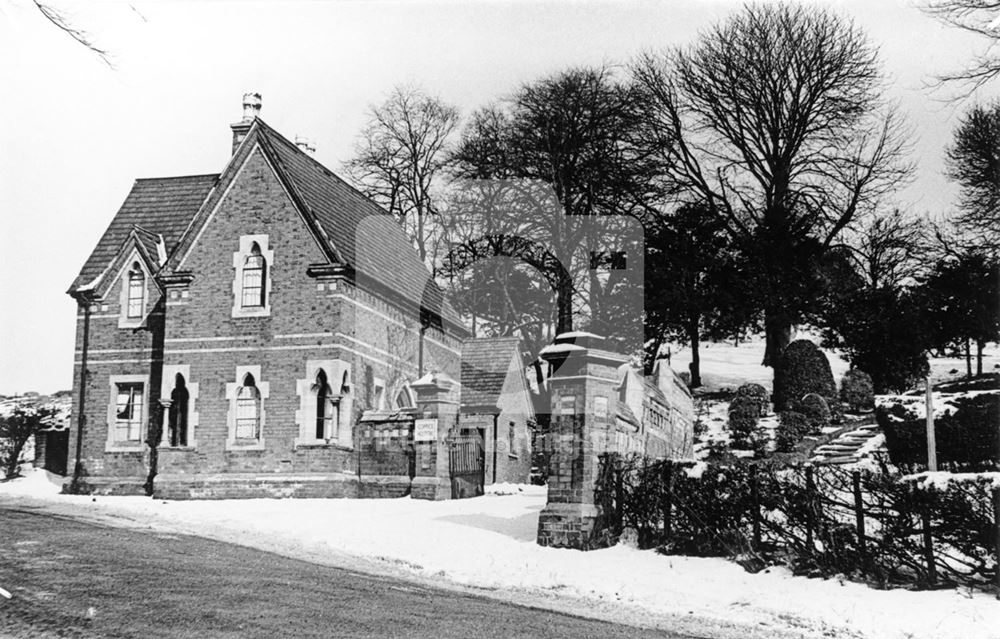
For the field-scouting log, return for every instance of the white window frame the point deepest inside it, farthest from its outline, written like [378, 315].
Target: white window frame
[124, 321]
[232, 389]
[239, 260]
[170, 372]
[305, 416]
[111, 443]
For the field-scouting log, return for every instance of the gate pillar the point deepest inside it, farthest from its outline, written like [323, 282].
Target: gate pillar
[437, 415]
[584, 395]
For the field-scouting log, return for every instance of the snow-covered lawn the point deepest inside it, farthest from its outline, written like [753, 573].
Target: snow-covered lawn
[724, 366]
[489, 543]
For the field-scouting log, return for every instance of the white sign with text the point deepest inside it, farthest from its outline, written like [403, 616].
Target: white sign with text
[425, 430]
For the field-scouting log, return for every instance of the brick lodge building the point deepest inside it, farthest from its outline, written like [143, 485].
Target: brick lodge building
[274, 333]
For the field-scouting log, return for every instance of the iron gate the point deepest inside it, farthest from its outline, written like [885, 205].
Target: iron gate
[467, 457]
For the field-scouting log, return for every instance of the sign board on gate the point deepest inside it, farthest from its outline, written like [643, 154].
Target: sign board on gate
[425, 430]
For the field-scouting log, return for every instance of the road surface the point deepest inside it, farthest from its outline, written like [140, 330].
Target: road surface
[70, 578]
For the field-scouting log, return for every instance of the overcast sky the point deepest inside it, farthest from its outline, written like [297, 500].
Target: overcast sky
[75, 133]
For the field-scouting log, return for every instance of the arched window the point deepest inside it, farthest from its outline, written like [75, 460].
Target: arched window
[327, 407]
[404, 398]
[254, 278]
[248, 409]
[136, 299]
[177, 418]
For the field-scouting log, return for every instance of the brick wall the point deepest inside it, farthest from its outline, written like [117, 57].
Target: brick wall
[310, 319]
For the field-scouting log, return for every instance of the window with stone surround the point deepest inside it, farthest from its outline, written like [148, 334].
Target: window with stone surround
[178, 401]
[127, 412]
[404, 397]
[325, 394]
[134, 296]
[247, 409]
[136, 301]
[177, 414]
[253, 266]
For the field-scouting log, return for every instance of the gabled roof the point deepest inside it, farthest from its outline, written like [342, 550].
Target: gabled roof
[363, 235]
[157, 206]
[351, 229]
[485, 363]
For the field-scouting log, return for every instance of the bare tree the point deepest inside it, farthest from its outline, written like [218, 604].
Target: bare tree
[889, 250]
[571, 135]
[982, 18]
[775, 119]
[61, 20]
[973, 160]
[399, 158]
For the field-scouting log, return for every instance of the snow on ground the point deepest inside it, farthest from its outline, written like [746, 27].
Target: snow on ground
[940, 480]
[726, 367]
[916, 405]
[489, 543]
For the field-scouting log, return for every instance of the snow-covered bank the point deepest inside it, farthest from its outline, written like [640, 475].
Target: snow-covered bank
[488, 543]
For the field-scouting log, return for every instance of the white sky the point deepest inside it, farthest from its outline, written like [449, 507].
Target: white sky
[75, 134]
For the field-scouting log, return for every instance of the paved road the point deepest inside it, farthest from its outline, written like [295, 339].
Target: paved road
[70, 578]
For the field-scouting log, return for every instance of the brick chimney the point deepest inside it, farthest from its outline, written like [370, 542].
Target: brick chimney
[251, 109]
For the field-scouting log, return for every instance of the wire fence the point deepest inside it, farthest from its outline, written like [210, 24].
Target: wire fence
[868, 524]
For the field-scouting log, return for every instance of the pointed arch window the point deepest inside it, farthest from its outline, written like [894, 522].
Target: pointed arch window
[327, 407]
[177, 417]
[254, 278]
[404, 398]
[248, 409]
[136, 295]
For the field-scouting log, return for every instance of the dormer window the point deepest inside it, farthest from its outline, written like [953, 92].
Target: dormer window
[136, 300]
[134, 294]
[254, 274]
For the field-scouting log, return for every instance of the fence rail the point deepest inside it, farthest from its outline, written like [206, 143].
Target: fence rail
[869, 525]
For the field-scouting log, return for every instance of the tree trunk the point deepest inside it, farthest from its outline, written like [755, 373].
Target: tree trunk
[15, 455]
[968, 358]
[979, 357]
[695, 366]
[778, 333]
[564, 302]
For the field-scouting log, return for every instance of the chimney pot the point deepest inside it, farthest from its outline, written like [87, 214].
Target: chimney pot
[251, 106]
[251, 109]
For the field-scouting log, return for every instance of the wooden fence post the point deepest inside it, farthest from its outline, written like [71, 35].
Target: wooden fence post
[929, 546]
[859, 516]
[666, 505]
[996, 523]
[931, 436]
[810, 513]
[619, 474]
[755, 494]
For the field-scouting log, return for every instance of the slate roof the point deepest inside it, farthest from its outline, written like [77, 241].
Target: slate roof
[485, 362]
[363, 234]
[158, 206]
[355, 231]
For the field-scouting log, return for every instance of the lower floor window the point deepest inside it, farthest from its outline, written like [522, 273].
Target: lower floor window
[248, 410]
[128, 412]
